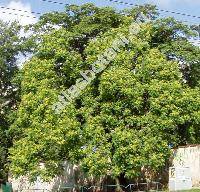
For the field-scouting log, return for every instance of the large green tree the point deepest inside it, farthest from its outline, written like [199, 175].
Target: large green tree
[136, 110]
[128, 117]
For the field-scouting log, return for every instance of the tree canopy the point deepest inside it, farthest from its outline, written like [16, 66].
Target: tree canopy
[128, 118]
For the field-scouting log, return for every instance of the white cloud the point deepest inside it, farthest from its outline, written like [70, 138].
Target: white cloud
[24, 17]
[195, 42]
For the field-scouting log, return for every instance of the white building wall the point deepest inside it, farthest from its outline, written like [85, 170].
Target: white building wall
[189, 156]
[68, 178]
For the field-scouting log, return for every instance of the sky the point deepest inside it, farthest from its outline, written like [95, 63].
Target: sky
[185, 6]
[29, 8]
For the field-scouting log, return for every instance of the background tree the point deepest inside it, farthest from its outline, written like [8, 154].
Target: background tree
[166, 37]
[9, 49]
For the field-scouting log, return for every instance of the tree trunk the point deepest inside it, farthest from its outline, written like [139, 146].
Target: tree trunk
[119, 189]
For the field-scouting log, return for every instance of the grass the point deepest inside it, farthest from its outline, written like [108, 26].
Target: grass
[192, 190]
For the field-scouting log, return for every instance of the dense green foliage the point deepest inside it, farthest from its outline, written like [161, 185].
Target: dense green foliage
[128, 118]
[9, 49]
